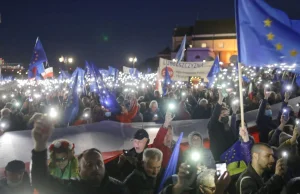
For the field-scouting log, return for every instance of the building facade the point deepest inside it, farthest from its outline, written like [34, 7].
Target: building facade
[206, 40]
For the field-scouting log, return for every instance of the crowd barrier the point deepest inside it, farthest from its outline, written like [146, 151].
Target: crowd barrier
[108, 136]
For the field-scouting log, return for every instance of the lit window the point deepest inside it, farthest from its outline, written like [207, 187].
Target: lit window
[203, 45]
[221, 45]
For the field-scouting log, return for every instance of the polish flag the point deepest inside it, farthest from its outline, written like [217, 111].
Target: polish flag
[250, 92]
[48, 72]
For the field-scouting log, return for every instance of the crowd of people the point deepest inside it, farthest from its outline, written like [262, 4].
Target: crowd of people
[233, 163]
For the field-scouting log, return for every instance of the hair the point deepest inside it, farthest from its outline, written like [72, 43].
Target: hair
[88, 151]
[293, 186]
[256, 148]
[5, 110]
[152, 102]
[152, 154]
[208, 175]
[203, 100]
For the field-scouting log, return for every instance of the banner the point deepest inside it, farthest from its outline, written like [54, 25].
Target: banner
[184, 70]
[127, 70]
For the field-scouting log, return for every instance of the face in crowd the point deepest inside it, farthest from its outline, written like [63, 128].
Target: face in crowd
[152, 167]
[61, 160]
[196, 141]
[140, 145]
[224, 116]
[91, 166]
[263, 158]
[154, 106]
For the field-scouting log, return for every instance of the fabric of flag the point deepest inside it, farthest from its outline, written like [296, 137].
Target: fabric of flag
[167, 81]
[80, 81]
[104, 73]
[246, 79]
[36, 66]
[214, 70]
[180, 52]
[298, 80]
[89, 73]
[64, 75]
[265, 35]
[112, 71]
[250, 91]
[72, 106]
[172, 165]
[149, 70]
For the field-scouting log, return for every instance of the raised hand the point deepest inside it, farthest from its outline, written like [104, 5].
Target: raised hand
[267, 94]
[244, 134]
[222, 182]
[168, 119]
[280, 167]
[41, 133]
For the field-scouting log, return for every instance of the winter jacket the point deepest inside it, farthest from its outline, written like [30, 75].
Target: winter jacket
[220, 139]
[264, 123]
[139, 183]
[251, 183]
[46, 184]
[24, 188]
[202, 113]
[149, 115]
[127, 118]
[159, 144]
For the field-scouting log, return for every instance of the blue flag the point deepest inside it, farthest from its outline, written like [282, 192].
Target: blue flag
[63, 75]
[298, 80]
[149, 70]
[167, 81]
[171, 169]
[36, 66]
[265, 35]
[180, 53]
[214, 70]
[72, 106]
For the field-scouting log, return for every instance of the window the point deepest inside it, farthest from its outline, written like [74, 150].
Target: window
[203, 45]
[221, 45]
[197, 57]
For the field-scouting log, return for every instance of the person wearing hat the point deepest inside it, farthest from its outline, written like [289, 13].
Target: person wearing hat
[16, 179]
[130, 159]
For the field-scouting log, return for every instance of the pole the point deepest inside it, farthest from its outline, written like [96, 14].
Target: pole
[241, 95]
[294, 78]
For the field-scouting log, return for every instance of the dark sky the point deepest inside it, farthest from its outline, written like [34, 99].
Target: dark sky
[77, 27]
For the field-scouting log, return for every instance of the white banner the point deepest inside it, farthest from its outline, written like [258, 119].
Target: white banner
[184, 70]
[127, 70]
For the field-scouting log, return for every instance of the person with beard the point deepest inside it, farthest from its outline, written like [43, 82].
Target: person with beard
[147, 177]
[16, 179]
[93, 176]
[264, 120]
[221, 134]
[252, 180]
[132, 158]
[202, 110]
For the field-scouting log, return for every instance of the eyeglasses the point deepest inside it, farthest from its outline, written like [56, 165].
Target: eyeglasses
[60, 159]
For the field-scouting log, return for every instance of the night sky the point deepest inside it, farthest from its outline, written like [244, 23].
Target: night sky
[106, 32]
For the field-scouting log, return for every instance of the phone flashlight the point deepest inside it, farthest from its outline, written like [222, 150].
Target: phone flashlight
[155, 115]
[53, 113]
[195, 156]
[3, 125]
[284, 154]
[183, 94]
[86, 115]
[235, 102]
[288, 87]
[267, 86]
[171, 106]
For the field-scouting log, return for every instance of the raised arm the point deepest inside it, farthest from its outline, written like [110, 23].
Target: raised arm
[262, 107]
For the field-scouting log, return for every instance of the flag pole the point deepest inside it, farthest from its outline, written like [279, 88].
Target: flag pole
[241, 96]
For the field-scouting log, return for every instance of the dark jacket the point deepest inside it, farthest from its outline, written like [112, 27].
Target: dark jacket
[149, 115]
[201, 112]
[46, 184]
[264, 123]
[250, 182]
[220, 139]
[24, 188]
[139, 183]
[131, 163]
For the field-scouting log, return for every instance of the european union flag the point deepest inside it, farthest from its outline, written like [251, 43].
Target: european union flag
[214, 70]
[36, 66]
[180, 53]
[171, 169]
[72, 107]
[265, 35]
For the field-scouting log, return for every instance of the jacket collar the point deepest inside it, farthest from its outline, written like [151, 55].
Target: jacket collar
[254, 175]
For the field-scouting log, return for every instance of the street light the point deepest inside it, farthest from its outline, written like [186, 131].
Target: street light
[66, 60]
[133, 60]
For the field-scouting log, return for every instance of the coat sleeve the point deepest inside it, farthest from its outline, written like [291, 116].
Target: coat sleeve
[132, 112]
[283, 105]
[261, 111]
[41, 179]
[234, 128]
[160, 136]
[248, 186]
[215, 116]
[129, 183]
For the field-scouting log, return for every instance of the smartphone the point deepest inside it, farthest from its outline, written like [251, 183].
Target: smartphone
[221, 168]
[129, 153]
[224, 93]
[286, 114]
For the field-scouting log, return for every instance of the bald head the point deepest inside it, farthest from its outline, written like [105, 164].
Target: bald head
[259, 147]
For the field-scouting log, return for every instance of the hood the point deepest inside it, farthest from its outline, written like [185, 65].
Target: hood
[283, 137]
[191, 135]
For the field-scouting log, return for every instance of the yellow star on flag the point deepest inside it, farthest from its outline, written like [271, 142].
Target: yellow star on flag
[279, 46]
[268, 22]
[293, 53]
[270, 36]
